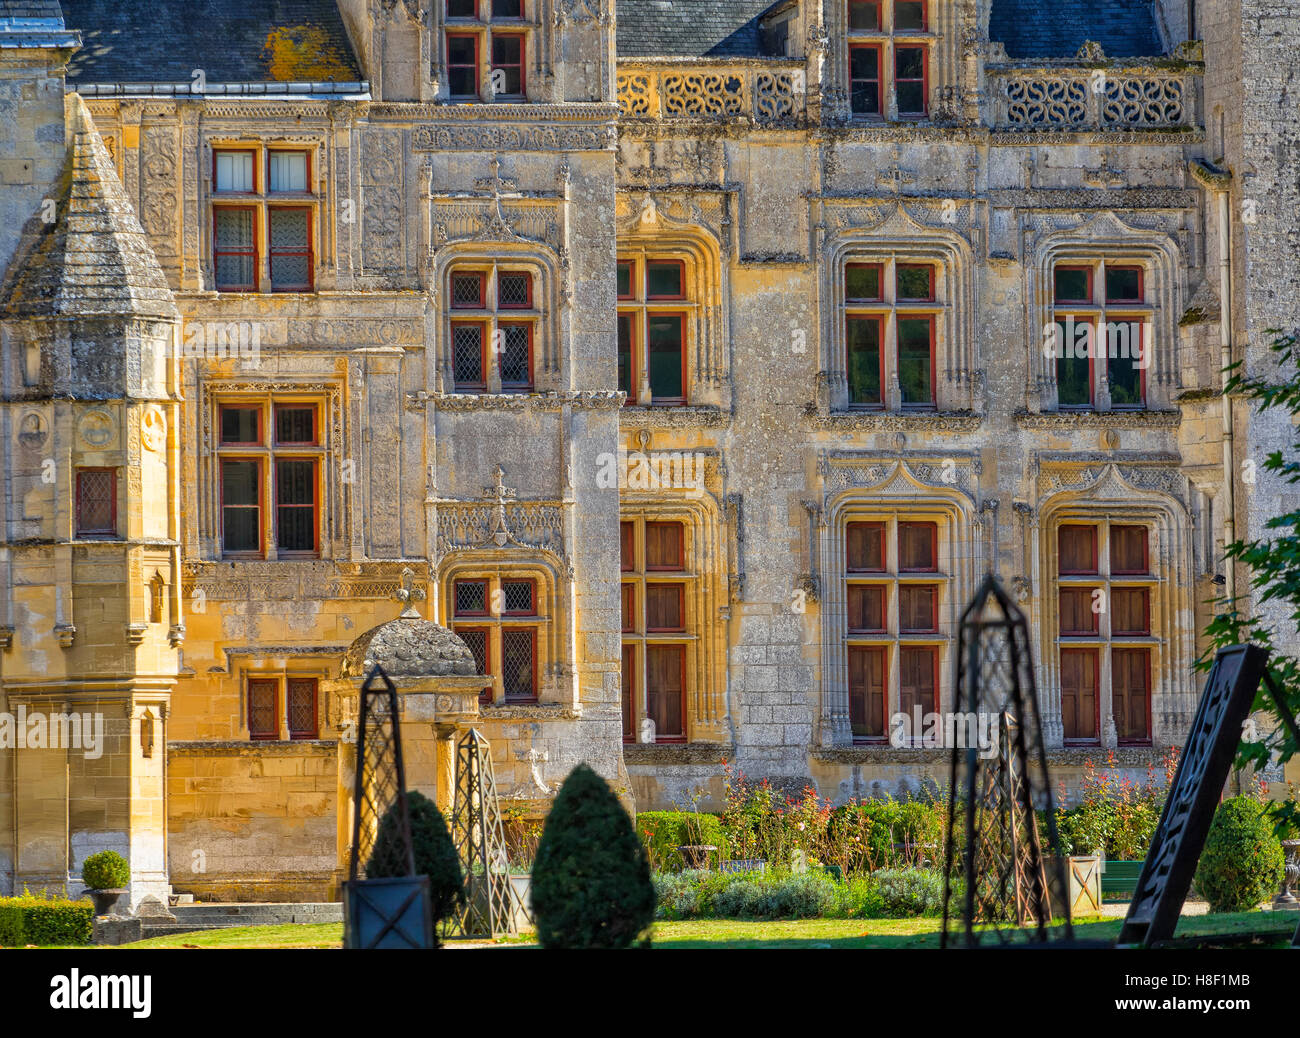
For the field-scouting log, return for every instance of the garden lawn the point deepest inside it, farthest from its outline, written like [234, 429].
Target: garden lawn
[740, 933]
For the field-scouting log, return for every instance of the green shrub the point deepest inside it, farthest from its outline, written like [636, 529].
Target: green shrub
[665, 831]
[106, 870]
[859, 898]
[31, 919]
[808, 895]
[887, 833]
[910, 892]
[591, 880]
[1243, 861]
[435, 855]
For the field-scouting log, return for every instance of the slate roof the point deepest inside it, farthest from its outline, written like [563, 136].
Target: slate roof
[93, 259]
[233, 41]
[690, 28]
[1057, 28]
[30, 9]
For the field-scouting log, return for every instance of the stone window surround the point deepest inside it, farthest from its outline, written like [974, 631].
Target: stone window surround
[281, 669]
[1166, 603]
[706, 552]
[707, 365]
[312, 199]
[547, 609]
[203, 538]
[955, 357]
[549, 367]
[492, 315]
[482, 27]
[1162, 266]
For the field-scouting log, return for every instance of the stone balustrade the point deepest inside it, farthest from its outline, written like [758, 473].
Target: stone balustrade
[1090, 99]
[757, 91]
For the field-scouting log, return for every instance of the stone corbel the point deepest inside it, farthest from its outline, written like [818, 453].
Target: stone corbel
[66, 633]
[6, 638]
[135, 633]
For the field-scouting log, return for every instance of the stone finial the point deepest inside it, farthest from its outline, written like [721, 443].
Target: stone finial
[500, 494]
[409, 594]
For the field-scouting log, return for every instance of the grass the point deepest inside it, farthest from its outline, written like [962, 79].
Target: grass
[741, 933]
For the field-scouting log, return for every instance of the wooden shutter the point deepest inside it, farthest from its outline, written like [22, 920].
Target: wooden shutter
[1130, 611]
[867, 691]
[1128, 549]
[1077, 616]
[263, 718]
[302, 708]
[866, 547]
[663, 546]
[918, 666]
[1079, 693]
[665, 692]
[629, 693]
[664, 607]
[918, 608]
[918, 547]
[1130, 671]
[627, 545]
[1077, 549]
[866, 608]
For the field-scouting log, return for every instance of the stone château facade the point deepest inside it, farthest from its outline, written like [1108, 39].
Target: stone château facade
[697, 358]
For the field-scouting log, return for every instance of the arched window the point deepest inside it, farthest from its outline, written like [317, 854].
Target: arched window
[655, 312]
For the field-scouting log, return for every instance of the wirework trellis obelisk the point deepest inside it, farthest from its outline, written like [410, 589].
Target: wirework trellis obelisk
[476, 830]
[993, 797]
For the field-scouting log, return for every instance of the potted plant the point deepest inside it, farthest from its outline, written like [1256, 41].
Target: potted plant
[106, 874]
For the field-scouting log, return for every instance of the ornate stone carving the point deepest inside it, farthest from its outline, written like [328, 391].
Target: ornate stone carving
[383, 202]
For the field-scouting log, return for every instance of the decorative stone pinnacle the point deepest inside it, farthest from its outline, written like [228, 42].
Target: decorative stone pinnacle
[410, 594]
[500, 494]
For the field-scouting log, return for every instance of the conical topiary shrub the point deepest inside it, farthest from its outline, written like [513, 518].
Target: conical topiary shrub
[435, 855]
[591, 879]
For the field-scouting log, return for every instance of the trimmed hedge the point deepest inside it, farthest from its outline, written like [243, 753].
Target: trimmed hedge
[664, 831]
[29, 919]
[1243, 862]
[106, 870]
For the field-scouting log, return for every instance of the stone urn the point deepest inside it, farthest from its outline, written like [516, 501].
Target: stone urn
[106, 900]
[1286, 900]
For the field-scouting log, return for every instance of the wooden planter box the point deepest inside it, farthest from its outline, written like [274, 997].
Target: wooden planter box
[1082, 891]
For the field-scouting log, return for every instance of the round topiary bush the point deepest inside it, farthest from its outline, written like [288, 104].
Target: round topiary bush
[591, 879]
[106, 870]
[1243, 861]
[435, 855]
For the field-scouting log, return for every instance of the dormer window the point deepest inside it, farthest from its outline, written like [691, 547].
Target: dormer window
[889, 58]
[486, 50]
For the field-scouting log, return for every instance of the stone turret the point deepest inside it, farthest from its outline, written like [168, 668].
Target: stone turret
[89, 550]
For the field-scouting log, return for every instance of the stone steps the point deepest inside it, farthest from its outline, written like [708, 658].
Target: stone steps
[192, 918]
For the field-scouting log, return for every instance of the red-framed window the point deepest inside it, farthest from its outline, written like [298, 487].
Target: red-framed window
[1076, 339]
[916, 361]
[516, 355]
[518, 596]
[628, 360]
[507, 73]
[868, 680]
[666, 691]
[470, 598]
[666, 356]
[96, 502]
[628, 694]
[234, 248]
[514, 290]
[864, 282]
[289, 230]
[1130, 679]
[626, 279]
[507, 8]
[288, 172]
[263, 708]
[918, 680]
[865, 95]
[665, 546]
[301, 705]
[462, 8]
[478, 640]
[519, 663]
[295, 425]
[469, 355]
[911, 16]
[1080, 674]
[864, 340]
[918, 547]
[665, 607]
[627, 546]
[665, 279]
[1072, 284]
[867, 609]
[629, 608]
[866, 547]
[1124, 284]
[1125, 343]
[918, 609]
[914, 282]
[866, 15]
[240, 426]
[463, 64]
[241, 506]
[234, 171]
[1129, 549]
[296, 521]
[1076, 548]
[468, 289]
[912, 80]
